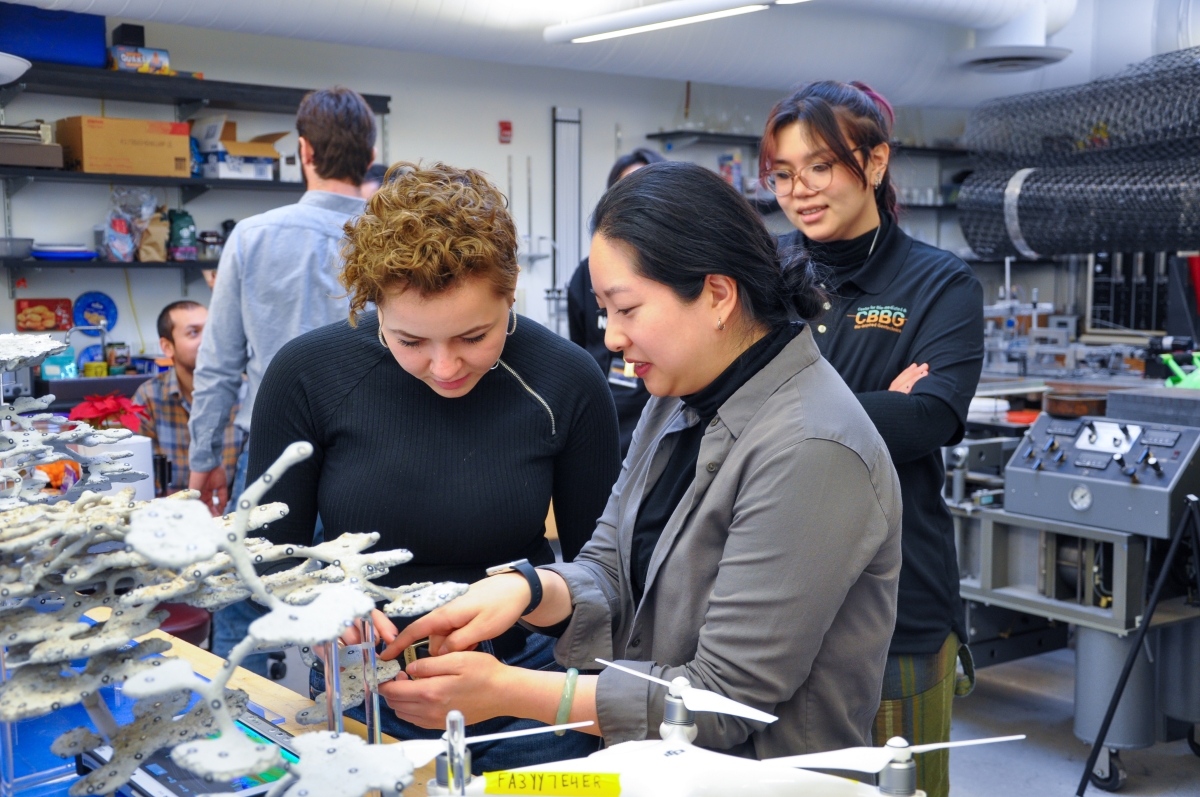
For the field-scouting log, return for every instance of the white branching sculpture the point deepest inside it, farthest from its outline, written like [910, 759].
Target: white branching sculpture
[23, 448]
[60, 561]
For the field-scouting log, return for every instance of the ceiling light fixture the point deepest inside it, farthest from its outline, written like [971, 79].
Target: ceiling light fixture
[644, 19]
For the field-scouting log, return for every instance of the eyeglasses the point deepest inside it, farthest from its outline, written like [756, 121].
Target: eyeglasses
[815, 177]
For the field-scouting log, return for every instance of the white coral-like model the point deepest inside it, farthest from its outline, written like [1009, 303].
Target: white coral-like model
[59, 561]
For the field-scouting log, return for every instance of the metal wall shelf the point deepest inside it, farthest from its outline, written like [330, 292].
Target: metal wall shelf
[189, 95]
[678, 139]
[14, 267]
[16, 177]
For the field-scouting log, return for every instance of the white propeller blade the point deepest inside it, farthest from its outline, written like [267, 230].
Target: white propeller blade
[491, 737]
[874, 759]
[925, 748]
[421, 751]
[697, 699]
[855, 759]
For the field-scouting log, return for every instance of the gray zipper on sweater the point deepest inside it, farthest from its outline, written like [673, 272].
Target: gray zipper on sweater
[534, 393]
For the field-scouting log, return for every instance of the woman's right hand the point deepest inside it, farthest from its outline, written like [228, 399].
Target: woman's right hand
[488, 609]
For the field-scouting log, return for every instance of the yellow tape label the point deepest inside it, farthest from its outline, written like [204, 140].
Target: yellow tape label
[559, 784]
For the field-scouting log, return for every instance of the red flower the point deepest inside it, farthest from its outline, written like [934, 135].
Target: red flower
[108, 411]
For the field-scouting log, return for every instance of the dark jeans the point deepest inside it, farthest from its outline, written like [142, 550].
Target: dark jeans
[537, 654]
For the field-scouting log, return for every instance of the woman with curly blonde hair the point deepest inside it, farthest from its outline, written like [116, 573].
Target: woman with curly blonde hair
[440, 418]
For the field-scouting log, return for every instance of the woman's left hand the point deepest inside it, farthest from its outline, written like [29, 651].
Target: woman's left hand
[474, 683]
[909, 377]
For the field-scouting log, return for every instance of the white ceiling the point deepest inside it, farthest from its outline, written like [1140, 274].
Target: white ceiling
[905, 59]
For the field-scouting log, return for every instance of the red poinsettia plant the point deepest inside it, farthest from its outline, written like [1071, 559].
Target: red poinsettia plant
[110, 412]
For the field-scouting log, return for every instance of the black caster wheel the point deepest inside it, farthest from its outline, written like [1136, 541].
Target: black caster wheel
[1116, 774]
[277, 670]
[1193, 739]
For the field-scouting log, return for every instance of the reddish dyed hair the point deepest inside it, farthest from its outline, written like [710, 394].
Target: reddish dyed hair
[846, 117]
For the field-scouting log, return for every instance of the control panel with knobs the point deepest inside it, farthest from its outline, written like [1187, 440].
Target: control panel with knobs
[1117, 474]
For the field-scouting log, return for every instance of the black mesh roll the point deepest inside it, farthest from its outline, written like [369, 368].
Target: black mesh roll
[1138, 207]
[1151, 111]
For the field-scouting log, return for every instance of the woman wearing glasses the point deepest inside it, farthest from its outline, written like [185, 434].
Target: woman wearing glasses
[904, 327]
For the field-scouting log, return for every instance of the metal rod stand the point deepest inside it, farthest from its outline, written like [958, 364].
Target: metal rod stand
[1190, 520]
[370, 685]
[333, 687]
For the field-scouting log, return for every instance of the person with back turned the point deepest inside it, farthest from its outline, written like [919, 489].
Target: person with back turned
[277, 279]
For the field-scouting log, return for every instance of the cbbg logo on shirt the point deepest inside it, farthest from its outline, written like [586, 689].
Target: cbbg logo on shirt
[887, 317]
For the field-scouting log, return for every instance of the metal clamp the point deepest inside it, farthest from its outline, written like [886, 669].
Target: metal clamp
[1012, 195]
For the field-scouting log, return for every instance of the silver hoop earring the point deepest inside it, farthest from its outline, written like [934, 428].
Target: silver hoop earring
[382, 342]
[495, 366]
[514, 322]
[720, 324]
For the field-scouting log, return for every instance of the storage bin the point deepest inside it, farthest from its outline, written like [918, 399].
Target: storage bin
[62, 37]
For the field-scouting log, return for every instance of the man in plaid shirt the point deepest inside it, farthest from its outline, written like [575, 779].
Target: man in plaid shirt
[167, 397]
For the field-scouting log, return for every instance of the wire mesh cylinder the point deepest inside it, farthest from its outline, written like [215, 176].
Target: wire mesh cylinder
[1150, 111]
[1152, 206]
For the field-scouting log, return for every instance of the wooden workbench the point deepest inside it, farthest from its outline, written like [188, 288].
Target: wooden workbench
[275, 697]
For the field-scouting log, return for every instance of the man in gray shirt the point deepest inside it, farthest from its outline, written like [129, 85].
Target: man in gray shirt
[277, 279]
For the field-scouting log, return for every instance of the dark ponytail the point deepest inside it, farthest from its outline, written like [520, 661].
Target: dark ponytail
[683, 223]
[824, 107]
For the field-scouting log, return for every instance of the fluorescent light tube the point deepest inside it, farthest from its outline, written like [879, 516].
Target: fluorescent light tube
[671, 23]
[656, 16]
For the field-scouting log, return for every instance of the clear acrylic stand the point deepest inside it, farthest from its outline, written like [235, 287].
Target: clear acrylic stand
[25, 758]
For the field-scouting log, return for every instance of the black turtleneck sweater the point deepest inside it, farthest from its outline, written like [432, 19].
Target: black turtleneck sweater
[464, 483]
[910, 425]
[660, 502]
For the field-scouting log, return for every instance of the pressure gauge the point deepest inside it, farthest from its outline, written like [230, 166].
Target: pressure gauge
[1080, 498]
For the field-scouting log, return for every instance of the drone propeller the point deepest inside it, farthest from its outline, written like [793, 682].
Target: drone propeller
[874, 759]
[697, 699]
[421, 751]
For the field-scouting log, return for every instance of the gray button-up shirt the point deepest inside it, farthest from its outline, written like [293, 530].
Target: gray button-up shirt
[277, 279]
[773, 583]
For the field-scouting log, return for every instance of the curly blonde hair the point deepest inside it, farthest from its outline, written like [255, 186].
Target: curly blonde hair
[429, 228]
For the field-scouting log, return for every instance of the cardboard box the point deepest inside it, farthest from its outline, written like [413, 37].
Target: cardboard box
[226, 158]
[44, 315]
[288, 148]
[125, 146]
[146, 60]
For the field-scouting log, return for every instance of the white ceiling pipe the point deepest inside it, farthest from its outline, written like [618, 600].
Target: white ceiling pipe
[652, 15]
[1027, 29]
[977, 14]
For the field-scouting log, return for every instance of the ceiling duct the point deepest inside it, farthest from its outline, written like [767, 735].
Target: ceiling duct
[1009, 35]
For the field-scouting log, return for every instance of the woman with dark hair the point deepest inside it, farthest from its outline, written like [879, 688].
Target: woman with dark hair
[751, 543]
[904, 328]
[586, 321]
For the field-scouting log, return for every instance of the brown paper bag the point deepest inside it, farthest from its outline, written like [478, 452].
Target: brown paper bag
[153, 245]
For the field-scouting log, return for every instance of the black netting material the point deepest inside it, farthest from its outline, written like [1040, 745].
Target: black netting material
[1151, 111]
[1143, 207]
[1116, 164]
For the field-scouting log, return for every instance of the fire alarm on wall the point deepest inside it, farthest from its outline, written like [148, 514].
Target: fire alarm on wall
[506, 132]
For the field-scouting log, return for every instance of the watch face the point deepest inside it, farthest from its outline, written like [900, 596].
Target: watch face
[1080, 498]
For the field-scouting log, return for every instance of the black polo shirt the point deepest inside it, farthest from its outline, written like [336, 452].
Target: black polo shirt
[586, 323]
[913, 303]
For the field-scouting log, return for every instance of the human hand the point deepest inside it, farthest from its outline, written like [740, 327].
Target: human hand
[909, 377]
[210, 484]
[477, 684]
[488, 609]
[385, 630]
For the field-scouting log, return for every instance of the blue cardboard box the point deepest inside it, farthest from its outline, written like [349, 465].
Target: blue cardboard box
[62, 37]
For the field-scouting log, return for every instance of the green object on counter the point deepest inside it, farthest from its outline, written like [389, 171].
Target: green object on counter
[60, 366]
[1179, 377]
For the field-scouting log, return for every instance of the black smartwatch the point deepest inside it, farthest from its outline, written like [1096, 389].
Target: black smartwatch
[523, 567]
